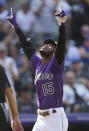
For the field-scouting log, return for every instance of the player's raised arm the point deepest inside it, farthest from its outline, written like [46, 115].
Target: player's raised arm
[25, 43]
[60, 50]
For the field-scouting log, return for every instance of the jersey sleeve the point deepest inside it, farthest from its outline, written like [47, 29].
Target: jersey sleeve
[4, 78]
[34, 61]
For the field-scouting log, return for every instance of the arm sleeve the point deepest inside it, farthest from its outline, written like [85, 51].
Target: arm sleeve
[4, 78]
[60, 50]
[26, 45]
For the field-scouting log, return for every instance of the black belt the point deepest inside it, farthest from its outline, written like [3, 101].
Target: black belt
[46, 113]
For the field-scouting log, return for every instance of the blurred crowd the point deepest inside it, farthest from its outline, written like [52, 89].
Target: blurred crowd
[37, 21]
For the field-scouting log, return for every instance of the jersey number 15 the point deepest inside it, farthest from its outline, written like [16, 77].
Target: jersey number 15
[48, 88]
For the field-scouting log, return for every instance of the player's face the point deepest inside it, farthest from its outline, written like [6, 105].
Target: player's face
[47, 50]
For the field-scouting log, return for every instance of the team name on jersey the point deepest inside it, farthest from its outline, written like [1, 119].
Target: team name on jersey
[43, 76]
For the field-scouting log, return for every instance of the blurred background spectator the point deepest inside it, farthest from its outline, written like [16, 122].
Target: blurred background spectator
[3, 12]
[76, 95]
[25, 101]
[25, 18]
[84, 51]
[36, 19]
[9, 64]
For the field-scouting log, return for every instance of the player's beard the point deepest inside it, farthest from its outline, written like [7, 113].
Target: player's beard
[46, 54]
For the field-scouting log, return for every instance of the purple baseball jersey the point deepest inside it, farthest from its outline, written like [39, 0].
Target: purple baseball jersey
[48, 82]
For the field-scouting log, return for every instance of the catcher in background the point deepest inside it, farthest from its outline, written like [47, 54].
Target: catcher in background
[49, 75]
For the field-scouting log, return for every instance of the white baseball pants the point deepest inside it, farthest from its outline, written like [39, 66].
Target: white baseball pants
[54, 122]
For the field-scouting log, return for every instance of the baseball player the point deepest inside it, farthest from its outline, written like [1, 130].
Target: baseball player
[49, 75]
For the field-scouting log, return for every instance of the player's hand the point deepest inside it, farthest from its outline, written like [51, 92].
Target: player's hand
[12, 19]
[16, 125]
[61, 16]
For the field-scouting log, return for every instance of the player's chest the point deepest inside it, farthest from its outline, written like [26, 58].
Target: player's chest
[43, 74]
[44, 81]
